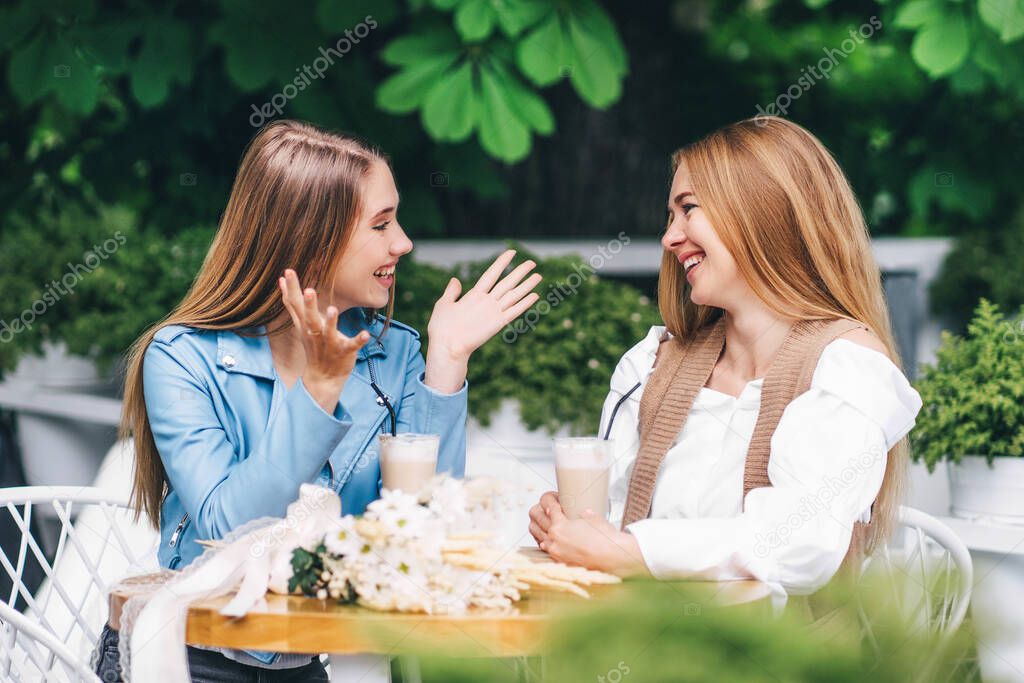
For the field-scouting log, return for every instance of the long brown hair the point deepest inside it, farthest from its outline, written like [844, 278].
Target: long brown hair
[295, 198]
[787, 214]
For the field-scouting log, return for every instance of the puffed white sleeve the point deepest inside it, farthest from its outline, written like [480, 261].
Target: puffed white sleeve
[828, 458]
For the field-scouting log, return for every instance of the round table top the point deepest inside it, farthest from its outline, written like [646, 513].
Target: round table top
[296, 624]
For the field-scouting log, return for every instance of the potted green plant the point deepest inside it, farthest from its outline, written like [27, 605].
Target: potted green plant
[973, 419]
[973, 416]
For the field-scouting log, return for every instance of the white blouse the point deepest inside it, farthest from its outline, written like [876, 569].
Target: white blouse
[827, 461]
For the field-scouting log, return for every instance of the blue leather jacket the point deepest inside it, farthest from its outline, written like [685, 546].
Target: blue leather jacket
[236, 443]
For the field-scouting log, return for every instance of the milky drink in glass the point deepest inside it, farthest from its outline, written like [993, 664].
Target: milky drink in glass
[581, 469]
[408, 461]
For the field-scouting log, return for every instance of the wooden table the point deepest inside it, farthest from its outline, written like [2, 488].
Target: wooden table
[304, 625]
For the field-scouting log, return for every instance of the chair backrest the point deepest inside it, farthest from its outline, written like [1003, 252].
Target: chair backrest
[928, 573]
[95, 543]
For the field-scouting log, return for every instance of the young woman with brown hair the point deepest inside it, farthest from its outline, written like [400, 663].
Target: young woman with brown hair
[761, 432]
[255, 384]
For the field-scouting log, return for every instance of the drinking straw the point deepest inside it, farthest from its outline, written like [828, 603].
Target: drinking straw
[608, 429]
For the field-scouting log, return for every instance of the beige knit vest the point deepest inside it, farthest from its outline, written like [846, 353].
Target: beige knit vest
[684, 368]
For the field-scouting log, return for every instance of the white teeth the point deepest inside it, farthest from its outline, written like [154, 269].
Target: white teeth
[384, 272]
[692, 261]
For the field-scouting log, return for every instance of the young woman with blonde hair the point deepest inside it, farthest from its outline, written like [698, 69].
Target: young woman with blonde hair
[255, 384]
[761, 432]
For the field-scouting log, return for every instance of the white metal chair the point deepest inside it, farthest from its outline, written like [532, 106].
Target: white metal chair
[97, 545]
[928, 572]
[41, 648]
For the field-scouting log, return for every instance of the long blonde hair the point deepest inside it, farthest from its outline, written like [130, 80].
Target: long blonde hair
[295, 198]
[787, 214]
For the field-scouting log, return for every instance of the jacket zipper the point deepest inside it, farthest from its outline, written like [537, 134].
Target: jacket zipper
[177, 531]
[371, 368]
[373, 379]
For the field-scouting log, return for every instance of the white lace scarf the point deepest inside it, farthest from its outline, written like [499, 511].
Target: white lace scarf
[152, 625]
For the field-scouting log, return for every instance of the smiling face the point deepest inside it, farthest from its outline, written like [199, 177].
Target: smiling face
[709, 267]
[367, 269]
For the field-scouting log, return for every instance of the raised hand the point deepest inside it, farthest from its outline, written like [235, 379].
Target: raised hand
[330, 355]
[460, 325]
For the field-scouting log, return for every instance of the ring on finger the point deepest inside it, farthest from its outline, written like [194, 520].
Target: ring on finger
[315, 333]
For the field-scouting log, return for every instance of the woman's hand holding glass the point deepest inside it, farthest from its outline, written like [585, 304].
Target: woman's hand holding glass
[590, 541]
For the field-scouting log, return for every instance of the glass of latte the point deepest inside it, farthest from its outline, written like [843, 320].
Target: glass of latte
[581, 469]
[408, 461]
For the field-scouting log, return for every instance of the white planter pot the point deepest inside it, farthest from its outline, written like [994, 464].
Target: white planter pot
[992, 497]
[996, 493]
[57, 450]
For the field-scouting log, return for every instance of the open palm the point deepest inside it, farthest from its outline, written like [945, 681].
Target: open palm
[463, 324]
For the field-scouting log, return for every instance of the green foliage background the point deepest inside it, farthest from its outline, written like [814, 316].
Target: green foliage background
[504, 118]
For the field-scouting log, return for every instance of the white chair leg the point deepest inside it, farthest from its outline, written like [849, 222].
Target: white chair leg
[360, 669]
[410, 668]
[530, 669]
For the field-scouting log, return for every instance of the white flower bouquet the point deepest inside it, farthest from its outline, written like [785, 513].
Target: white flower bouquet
[431, 553]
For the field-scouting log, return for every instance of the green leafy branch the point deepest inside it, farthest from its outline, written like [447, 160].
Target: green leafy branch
[307, 566]
[972, 43]
[470, 65]
[479, 74]
[69, 55]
